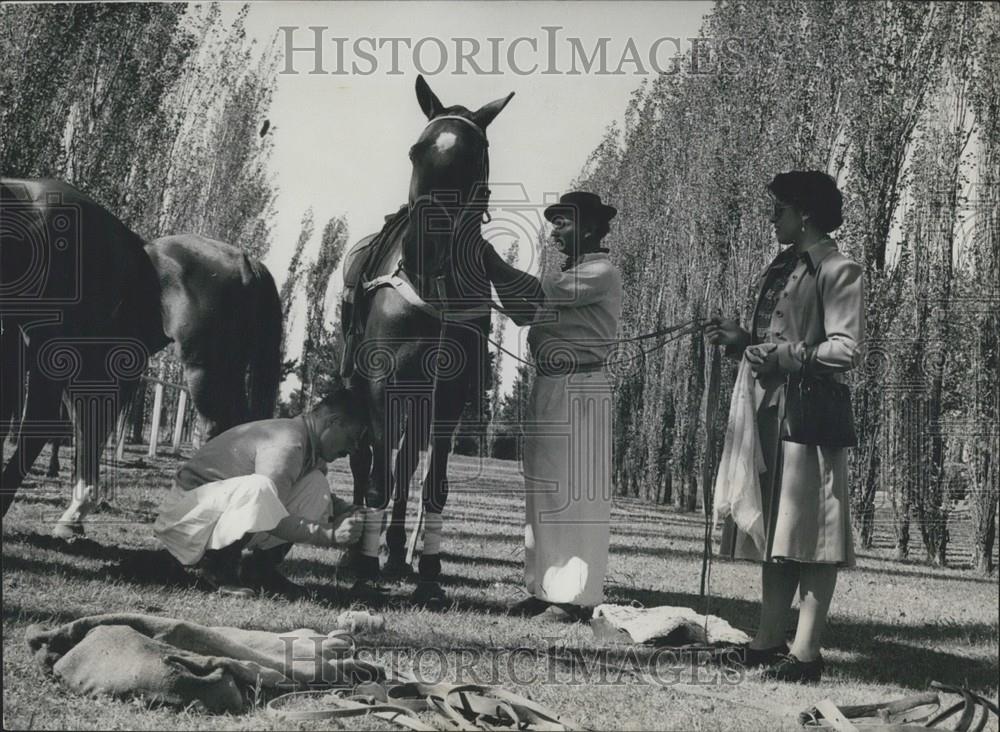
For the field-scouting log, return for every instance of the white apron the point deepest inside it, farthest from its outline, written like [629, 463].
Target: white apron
[567, 479]
[567, 446]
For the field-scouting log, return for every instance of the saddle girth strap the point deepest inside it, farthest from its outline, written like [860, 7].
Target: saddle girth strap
[401, 283]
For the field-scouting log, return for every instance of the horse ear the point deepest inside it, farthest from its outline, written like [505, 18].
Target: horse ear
[429, 102]
[488, 112]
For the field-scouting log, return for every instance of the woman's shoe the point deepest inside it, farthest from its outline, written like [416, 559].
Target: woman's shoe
[790, 668]
[743, 656]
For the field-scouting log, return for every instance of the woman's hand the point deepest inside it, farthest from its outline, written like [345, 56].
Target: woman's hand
[763, 358]
[726, 333]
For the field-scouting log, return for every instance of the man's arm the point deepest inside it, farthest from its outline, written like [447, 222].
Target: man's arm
[519, 292]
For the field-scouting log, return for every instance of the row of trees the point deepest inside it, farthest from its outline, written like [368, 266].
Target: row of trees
[158, 112]
[900, 102]
[317, 367]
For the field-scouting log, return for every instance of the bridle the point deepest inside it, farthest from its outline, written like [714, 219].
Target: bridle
[478, 205]
[482, 201]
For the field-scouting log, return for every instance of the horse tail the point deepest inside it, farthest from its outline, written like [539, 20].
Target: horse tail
[265, 359]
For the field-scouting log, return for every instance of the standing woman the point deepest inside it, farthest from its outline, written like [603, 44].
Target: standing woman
[567, 430]
[808, 320]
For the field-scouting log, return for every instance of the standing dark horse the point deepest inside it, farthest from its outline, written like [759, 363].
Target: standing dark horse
[221, 309]
[416, 330]
[87, 321]
[80, 310]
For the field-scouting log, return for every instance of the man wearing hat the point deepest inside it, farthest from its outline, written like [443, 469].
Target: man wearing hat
[567, 447]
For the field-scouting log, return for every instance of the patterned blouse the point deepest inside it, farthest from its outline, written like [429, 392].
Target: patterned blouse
[777, 277]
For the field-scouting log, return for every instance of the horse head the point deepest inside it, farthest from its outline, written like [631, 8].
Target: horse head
[449, 185]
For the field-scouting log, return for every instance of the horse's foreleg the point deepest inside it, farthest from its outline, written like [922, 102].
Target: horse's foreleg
[448, 406]
[412, 441]
[361, 471]
[377, 493]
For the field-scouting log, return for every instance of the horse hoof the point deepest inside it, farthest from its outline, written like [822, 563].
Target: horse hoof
[68, 531]
[367, 590]
[430, 593]
[397, 569]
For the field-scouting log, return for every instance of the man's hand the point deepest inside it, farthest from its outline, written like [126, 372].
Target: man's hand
[763, 358]
[340, 507]
[347, 528]
[726, 333]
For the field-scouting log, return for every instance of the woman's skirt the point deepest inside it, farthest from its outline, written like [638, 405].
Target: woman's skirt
[804, 492]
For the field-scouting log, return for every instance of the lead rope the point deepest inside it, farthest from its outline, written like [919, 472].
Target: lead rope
[675, 331]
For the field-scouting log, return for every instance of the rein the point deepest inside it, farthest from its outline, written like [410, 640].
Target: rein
[675, 332]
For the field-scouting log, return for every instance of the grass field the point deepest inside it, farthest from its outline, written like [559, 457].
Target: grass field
[894, 626]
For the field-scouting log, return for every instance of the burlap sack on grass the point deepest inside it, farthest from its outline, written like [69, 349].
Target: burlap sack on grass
[180, 663]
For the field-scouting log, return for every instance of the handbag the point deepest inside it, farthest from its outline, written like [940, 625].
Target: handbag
[818, 411]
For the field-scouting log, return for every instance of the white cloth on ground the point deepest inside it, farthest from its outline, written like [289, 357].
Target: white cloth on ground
[642, 624]
[737, 484]
[217, 514]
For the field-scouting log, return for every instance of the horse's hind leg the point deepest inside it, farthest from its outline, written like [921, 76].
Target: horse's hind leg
[11, 379]
[54, 466]
[56, 442]
[95, 416]
[219, 398]
[42, 405]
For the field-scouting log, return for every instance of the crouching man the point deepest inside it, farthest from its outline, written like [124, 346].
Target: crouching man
[262, 486]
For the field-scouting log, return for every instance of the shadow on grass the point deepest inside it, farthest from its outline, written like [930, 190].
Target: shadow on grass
[16, 613]
[968, 577]
[884, 661]
[124, 563]
[883, 653]
[39, 498]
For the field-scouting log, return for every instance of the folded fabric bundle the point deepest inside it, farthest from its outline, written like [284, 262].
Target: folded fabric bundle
[177, 662]
[737, 484]
[681, 625]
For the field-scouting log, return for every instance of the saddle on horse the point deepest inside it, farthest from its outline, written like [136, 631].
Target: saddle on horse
[366, 269]
[362, 265]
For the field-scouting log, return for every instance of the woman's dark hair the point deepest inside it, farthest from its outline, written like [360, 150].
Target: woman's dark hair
[813, 193]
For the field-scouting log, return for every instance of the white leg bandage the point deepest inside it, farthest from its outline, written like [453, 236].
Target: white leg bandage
[433, 523]
[372, 536]
[84, 500]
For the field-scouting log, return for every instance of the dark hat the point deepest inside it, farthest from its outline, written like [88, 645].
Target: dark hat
[589, 204]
